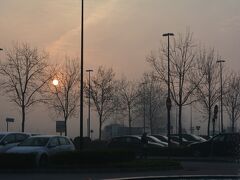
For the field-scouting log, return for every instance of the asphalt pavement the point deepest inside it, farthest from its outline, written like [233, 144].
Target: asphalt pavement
[189, 168]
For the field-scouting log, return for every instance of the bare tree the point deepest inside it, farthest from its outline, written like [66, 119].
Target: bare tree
[232, 99]
[63, 97]
[102, 93]
[23, 75]
[208, 90]
[153, 99]
[127, 98]
[183, 67]
[150, 105]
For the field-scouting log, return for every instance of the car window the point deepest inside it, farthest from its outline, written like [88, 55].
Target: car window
[9, 139]
[67, 141]
[54, 142]
[21, 137]
[63, 141]
[35, 141]
[219, 138]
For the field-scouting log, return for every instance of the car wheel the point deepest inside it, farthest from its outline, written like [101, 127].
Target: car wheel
[43, 161]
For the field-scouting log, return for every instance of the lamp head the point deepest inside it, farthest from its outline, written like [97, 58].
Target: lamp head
[168, 34]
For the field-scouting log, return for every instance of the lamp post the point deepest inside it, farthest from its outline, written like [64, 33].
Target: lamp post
[81, 79]
[168, 101]
[221, 99]
[89, 105]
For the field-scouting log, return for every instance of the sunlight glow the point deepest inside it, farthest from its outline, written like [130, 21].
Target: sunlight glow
[55, 82]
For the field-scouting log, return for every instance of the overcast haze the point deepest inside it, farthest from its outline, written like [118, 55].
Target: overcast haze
[118, 34]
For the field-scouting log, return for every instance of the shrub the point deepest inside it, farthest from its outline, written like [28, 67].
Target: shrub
[96, 157]
[20, 161]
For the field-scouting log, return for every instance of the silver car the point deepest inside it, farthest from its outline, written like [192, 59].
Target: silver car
[11, 139]
[43, 147]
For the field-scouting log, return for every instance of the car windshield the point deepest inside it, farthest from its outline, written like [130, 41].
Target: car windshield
[154, 139]
[1, 136]
[198, 137]
[35, 141]
[161, 138]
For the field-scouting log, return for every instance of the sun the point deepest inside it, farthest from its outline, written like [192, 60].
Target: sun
[55, 82]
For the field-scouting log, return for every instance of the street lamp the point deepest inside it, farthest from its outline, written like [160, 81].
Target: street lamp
[81, 79]
[89, 105]
[221, 99]
[168, 101]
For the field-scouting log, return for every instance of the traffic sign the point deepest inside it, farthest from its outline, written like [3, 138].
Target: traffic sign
[9, 119]
[60, 126]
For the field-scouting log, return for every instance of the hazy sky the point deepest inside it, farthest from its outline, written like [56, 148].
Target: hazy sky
[118, 34]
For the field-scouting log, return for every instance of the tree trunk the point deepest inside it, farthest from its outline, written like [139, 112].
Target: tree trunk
[233, 124]
[65, 121]
[209, 120]
[180, 123]
[129, 121]
[100, 128]
[23, 118]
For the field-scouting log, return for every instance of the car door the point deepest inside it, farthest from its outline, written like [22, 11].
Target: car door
[53, 146]
[218, 145]
[133, 143]
[232, 144]
[8, 142]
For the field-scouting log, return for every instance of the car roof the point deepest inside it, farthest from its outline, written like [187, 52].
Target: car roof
[45, 136]
[134, 136]
[6, 133]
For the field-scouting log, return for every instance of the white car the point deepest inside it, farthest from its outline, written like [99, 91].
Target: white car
[11, 139]
[43, 146]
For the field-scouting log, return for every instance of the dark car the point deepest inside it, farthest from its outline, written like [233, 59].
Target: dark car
[165, 139]
[131, 142]
[226, 144]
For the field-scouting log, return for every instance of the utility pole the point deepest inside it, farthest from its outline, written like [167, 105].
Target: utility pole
[81, 79]
[89, 103]
[221, 98]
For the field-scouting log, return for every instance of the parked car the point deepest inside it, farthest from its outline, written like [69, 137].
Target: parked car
[43, 146]
[184, 141]
[131, 142]
[165, 139]
[227, 144]
[156, 140]
[11, 139]
[192, 137]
